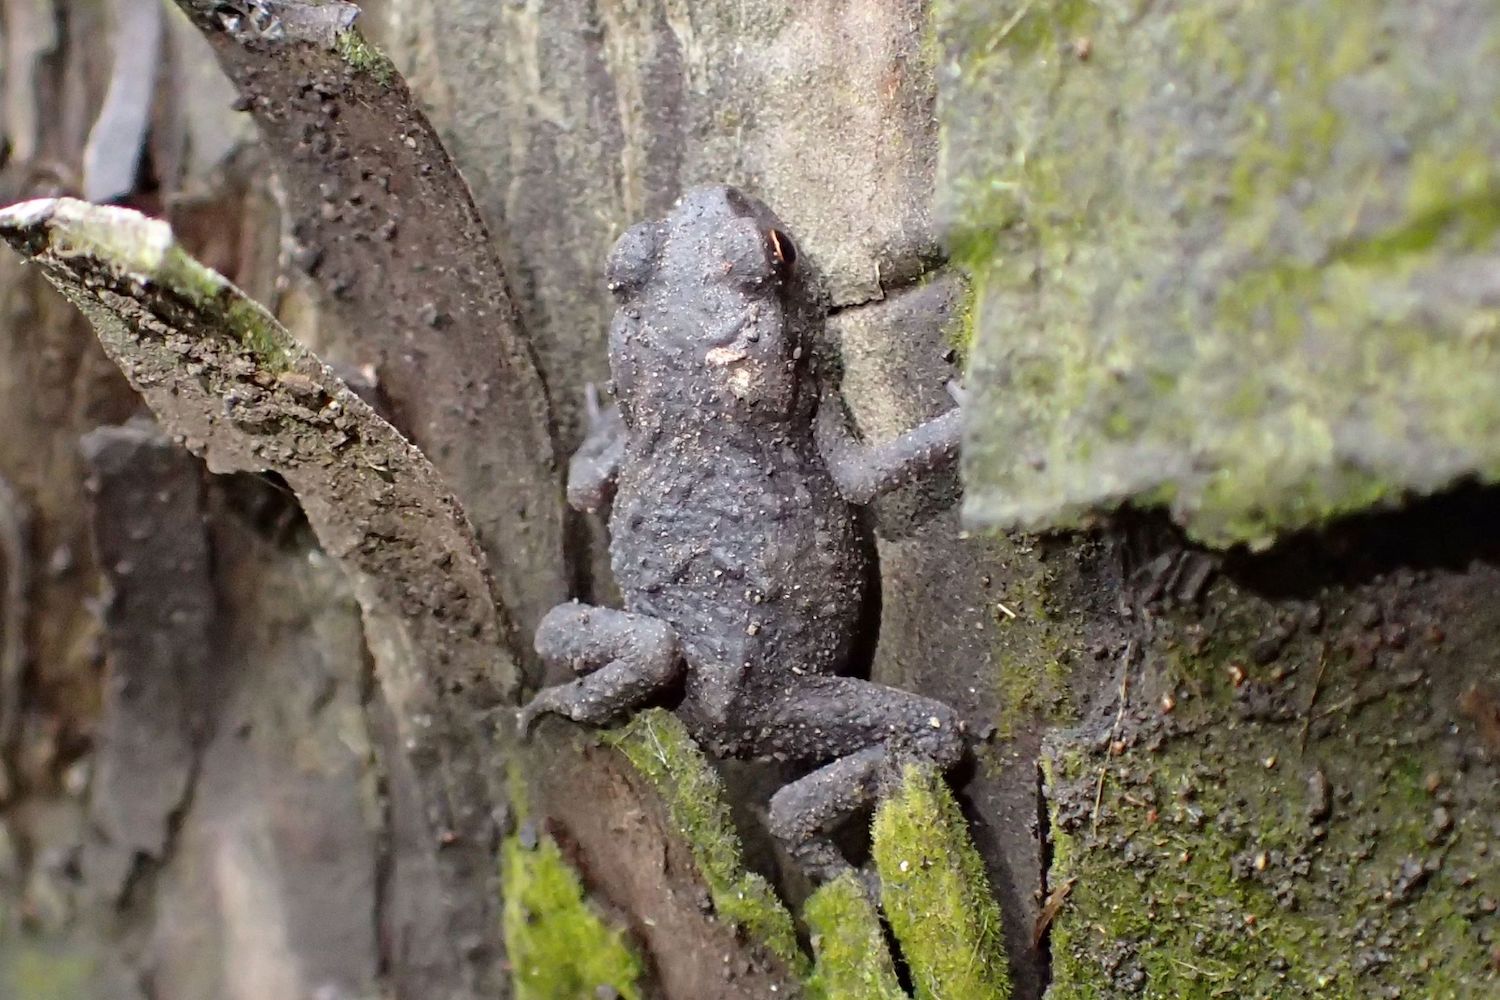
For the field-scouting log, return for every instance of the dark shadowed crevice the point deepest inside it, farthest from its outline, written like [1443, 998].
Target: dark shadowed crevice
[1446, 531]
[15, 590]
[1044, 835]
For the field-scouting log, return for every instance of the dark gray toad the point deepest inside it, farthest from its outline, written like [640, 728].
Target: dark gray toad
[732, 536]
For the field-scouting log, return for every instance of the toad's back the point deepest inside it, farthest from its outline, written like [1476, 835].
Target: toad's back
[740, 542]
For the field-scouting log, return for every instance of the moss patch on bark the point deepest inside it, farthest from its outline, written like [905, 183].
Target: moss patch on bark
[658, 745]
[1291, 803]
[1228, 258]
[852, 961]
[557, 945]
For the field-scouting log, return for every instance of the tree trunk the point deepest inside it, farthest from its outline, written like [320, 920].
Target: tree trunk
[263, 624]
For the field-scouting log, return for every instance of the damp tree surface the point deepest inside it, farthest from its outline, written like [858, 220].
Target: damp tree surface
[288, 409]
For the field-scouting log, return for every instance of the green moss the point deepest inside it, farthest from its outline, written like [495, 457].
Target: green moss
[143, 252]
[936, 896]
[1226, 262]
[1210, 869]
[933, 885]
[1033, 646]
[558, 946]
[660, 748]
[852, 961]
[365, 57]
[960, 328]
[244, 320]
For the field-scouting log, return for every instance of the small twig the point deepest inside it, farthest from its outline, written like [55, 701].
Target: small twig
[1307, 719]
[1050, 910]
[1010, 25]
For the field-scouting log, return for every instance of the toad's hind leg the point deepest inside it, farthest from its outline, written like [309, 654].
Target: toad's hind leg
[622, 658]
[869, 732]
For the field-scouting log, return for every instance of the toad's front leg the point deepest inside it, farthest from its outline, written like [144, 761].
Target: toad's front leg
[623, 659]
[863, 472]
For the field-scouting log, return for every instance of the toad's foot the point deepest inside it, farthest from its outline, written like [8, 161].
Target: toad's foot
[622, 658]
[879, 730]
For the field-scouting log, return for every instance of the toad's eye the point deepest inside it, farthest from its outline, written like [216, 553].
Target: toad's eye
[783, 253]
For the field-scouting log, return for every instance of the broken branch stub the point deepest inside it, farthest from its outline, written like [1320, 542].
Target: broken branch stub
[385, 225]
[233, 384]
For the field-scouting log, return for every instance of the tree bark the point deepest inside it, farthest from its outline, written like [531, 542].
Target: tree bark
[256, 730]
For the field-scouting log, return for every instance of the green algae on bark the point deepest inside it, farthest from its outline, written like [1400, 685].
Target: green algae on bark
[659, 747]
[1035, 642]
[557, 945]
[1228, 258]
[935, 894]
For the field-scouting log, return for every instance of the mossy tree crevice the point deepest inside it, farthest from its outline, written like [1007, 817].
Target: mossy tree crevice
[933, 887]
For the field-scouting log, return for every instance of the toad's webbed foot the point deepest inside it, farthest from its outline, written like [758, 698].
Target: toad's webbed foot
[867, 734]
[863, 472]
[622, 660]
[596, 464]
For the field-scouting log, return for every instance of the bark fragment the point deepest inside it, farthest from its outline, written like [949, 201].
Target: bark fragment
[113, 154]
